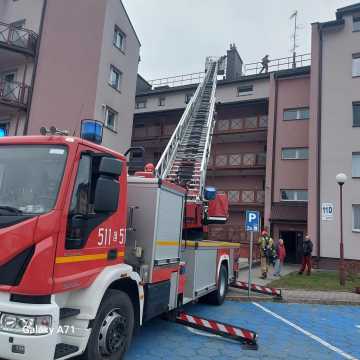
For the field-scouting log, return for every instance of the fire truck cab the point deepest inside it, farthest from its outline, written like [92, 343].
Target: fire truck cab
[70, 283]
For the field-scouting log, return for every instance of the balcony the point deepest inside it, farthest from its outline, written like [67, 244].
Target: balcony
[18, 39]
[242, 125]
[14, 93]
[245, 198]
[237, 161]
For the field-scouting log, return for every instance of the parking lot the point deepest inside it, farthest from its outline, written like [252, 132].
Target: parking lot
[285, 331]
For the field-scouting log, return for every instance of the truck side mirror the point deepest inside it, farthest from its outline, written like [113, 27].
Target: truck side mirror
[106, 195]
[110, 166]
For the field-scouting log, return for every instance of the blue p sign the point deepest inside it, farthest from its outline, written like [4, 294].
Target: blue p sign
[252, 221]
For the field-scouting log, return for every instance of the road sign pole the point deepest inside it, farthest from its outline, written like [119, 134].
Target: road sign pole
[250, 261]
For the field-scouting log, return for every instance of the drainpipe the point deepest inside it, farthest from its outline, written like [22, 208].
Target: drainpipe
[319, 144]
[26, 126]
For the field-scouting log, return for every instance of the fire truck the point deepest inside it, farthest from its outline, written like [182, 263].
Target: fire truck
[89, 253]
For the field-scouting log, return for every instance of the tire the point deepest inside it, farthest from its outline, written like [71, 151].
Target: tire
[112, 329]
[217, 297]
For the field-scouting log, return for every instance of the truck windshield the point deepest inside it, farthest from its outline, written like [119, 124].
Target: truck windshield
[30, 178]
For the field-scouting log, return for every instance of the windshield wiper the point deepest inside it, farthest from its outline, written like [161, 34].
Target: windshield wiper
[11, 209]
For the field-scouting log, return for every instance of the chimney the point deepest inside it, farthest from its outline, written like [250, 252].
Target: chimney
[234, 64]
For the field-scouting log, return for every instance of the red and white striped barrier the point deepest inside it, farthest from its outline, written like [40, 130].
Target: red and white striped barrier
[257, 288]
[245, 336]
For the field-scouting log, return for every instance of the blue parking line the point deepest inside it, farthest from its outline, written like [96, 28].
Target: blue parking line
[162, 340]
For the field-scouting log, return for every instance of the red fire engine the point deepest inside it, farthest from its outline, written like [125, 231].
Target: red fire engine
[89, 253]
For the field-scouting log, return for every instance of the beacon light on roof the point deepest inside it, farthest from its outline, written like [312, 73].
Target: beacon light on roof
[3, 132]
[92, 130]
[210, 193]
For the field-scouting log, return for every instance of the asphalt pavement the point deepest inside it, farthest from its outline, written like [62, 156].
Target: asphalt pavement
[285, 331]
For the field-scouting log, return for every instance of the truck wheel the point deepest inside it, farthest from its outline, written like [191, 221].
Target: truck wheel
[112, 328]
[218, 296]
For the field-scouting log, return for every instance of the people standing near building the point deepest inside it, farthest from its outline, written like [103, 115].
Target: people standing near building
[267, 252]
[307, 251]
[280, 257]
[265, 64]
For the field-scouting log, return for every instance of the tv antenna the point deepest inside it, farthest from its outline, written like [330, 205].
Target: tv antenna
[294, 39]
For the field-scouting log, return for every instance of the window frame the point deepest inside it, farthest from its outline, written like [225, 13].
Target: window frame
[162, 101]
[245, 89]
[297, 149]
[106, 124]
[356, 57]
[140, 102]
[298, 113]
[354, 105]
[114, 69]
[353, 218]
[117, 30]
[356, 20]
[296, 197]
[354, 153]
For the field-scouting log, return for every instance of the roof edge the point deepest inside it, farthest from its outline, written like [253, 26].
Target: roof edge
[131, 24]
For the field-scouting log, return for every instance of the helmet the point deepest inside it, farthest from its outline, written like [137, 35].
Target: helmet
[149, 168]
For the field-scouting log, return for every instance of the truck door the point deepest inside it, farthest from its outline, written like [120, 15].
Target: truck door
[93, 224]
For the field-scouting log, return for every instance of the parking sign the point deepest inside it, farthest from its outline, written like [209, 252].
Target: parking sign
[252, 222]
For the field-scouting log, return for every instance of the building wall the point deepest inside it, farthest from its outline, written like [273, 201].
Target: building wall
[225, 93]
[338, 137]
[122, 101]
[30, 10]
[66, 82]
[291, 174]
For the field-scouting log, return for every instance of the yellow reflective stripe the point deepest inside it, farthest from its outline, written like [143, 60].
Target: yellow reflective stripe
[83, 258]
[167, 243]
[205, 243]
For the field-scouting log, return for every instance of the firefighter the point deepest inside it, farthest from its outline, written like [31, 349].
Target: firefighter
[265, 64]
[267, 252]
[150, 168]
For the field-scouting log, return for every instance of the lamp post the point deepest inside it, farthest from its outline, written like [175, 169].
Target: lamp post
[341, 179]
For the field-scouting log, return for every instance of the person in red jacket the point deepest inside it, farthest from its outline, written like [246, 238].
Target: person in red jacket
[280, 257]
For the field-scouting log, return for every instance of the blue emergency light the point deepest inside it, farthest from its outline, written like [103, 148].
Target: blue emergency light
[210, 193]
[92, 130]
[3, 132]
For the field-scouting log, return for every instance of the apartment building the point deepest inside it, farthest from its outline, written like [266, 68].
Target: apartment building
[334, 133]
[245, 110]
[64, 61]
[280, 138]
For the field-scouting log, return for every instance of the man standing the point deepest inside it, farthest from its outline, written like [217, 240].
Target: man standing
[265, 64]
[307, 251]
[267, 252]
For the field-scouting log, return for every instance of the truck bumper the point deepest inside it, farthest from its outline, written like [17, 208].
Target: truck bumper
[27, 347]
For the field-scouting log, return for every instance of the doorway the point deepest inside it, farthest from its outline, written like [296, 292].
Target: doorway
[293, 241]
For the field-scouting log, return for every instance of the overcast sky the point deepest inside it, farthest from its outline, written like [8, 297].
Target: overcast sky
[177, 35]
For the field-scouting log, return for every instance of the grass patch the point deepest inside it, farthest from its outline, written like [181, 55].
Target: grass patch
[318, 280]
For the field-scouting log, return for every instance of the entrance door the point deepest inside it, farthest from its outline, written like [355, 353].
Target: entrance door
[293, 241]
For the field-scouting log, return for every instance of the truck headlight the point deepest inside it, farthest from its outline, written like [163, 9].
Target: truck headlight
[25, 325]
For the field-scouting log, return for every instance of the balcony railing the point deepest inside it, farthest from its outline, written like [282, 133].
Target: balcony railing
[285, 63]
[179, 80]
[237, 160]
[14, 93]
[245, 197]
[251, 123]
[20, 38]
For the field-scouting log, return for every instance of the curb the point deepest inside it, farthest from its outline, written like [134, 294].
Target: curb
[244, 298]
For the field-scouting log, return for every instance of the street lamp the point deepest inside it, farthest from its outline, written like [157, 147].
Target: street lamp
[341, 179]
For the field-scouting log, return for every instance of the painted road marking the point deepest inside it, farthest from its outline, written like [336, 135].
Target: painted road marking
[307, 333]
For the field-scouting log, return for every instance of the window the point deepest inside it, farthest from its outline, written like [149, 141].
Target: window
[119, 39]
[111, 118]
[356, 114]
[188, 98]
[140, 104]
[244, 89]
[294, 195]
[162, 101]
[356, 23]
[295, 153]
[297, 114]
[115, 77]
[356, 65]
[356, 217]
[356, 165]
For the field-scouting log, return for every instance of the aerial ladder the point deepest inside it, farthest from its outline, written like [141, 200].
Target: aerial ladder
[186, 156]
